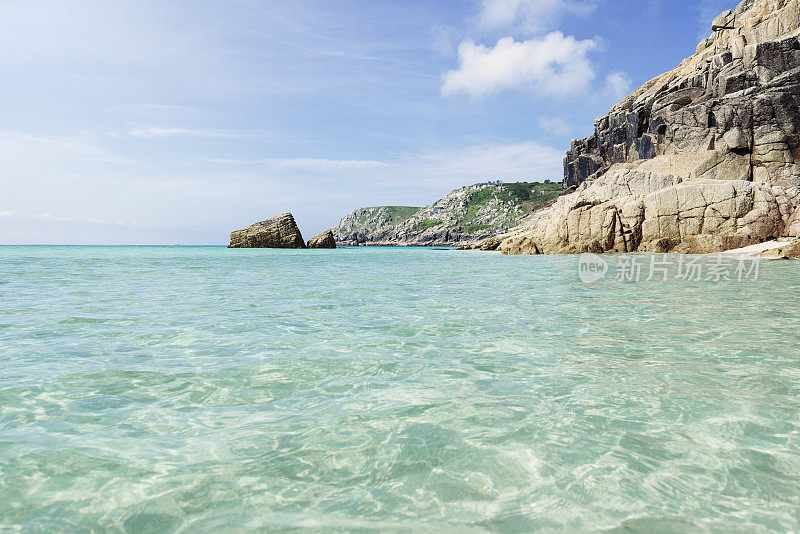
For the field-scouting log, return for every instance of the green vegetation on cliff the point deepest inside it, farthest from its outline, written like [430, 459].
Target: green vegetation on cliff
[526, 195]
[469, 213]
[388, 216]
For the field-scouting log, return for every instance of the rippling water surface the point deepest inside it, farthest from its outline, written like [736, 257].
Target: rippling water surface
[147, 389]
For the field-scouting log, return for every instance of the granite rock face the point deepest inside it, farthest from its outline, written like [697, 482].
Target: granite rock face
[280, 231]
[323, 240]
[702, 158]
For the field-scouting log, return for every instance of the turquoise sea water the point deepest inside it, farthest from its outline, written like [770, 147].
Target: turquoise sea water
[147, 389]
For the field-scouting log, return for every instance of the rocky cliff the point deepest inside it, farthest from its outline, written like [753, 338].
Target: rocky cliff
[702, 158]
[280, 231]
[469, 214]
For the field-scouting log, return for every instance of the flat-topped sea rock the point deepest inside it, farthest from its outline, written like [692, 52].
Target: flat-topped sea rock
[323, 240]
[280, 231]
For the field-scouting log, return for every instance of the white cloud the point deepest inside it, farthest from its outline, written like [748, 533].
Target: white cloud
[19, 149]
[552, 65]
[449, 169]
[113, 33]
[555, 125]
[444, 40]
[313, 163]
[436, 170]
[155, 131]
[6, 213]
[618, 85]
[48, 217]
[530, 16]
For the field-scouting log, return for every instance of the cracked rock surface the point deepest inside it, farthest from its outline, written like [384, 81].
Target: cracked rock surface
[280, 231]
[700, 159]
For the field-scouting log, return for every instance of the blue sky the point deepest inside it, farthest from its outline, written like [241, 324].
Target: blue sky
[176, 122]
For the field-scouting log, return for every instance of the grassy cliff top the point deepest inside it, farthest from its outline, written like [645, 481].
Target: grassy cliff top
[399, 212]
[536, 192]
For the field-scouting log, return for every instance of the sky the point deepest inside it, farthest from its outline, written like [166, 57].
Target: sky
[175, 122]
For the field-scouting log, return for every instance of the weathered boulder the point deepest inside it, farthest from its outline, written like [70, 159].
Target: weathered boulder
[280, 231]
[492, 243]
[787, 251]
[705, 157]
[323, 240]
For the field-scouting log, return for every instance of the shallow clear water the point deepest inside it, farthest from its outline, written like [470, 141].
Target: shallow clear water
[203, 389]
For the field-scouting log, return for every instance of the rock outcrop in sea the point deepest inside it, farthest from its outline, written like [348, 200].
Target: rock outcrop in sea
[703, 158]
[323, 240]
[467, 215]
[280, 231]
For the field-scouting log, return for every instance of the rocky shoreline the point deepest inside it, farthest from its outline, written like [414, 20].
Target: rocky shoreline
[701, 159]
